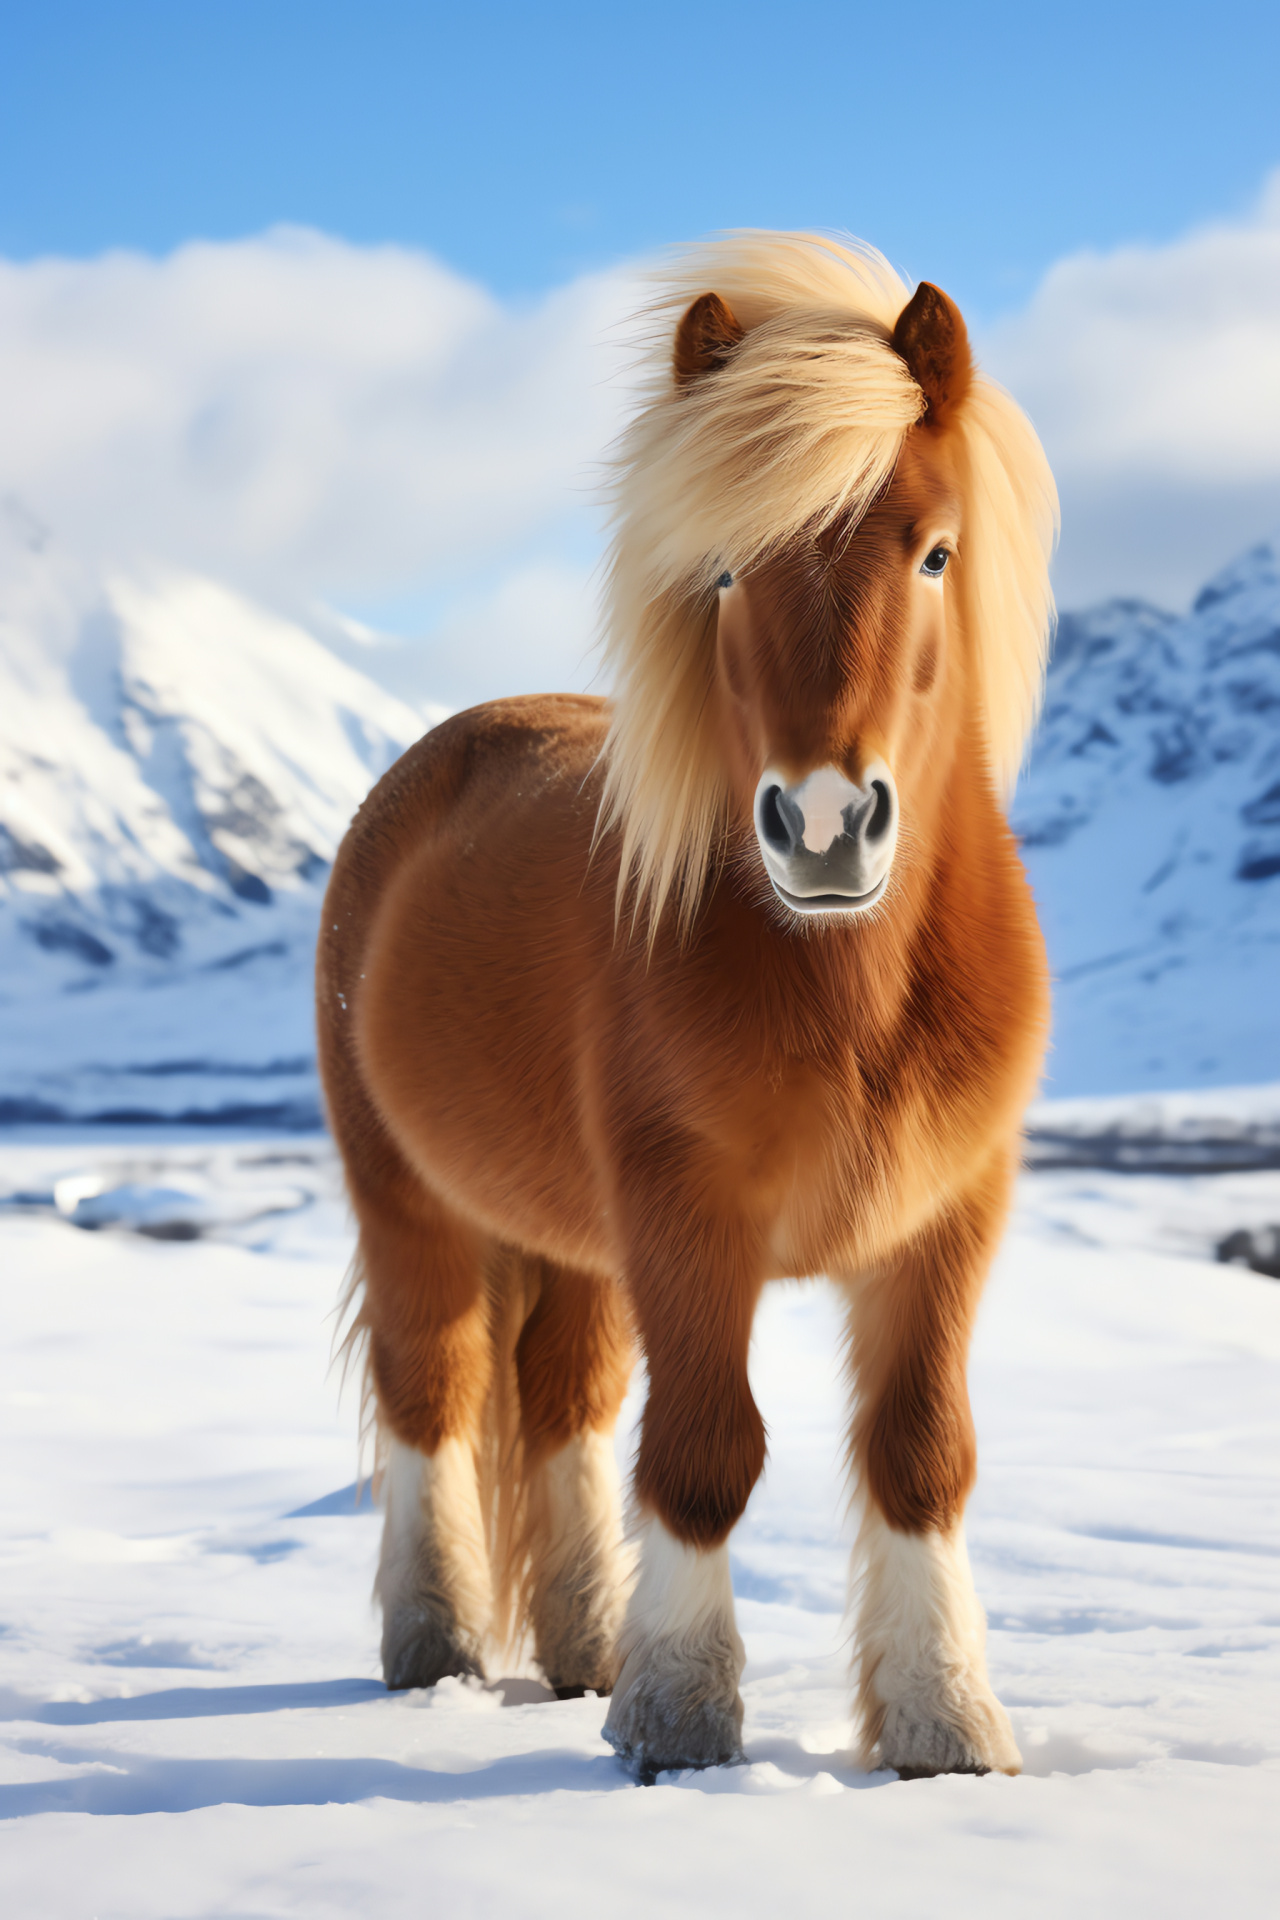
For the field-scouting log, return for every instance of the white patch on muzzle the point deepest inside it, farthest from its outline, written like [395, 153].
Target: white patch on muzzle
[822, 798]
[835, 865]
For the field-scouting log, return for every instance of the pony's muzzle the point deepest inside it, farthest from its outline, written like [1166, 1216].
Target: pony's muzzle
[827, 844]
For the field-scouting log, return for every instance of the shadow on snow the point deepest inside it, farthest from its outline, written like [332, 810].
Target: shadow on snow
[124, 1783]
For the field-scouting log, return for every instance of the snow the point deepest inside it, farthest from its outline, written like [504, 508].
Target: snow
[1150, 822]
[177, 768]
[192, 1719]
[178, 765]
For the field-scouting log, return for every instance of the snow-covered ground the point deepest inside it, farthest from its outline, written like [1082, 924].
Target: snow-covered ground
[192, 1720]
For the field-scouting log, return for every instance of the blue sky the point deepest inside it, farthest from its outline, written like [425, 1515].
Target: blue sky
[327, 301]
[974, 144]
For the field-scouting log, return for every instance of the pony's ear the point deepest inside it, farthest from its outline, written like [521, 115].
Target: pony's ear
[705, 338]
[934, 341]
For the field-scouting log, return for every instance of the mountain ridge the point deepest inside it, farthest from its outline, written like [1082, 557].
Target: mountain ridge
[178, 765]
[1149, 818]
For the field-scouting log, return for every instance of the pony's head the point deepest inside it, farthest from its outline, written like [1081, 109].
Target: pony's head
[830, 576]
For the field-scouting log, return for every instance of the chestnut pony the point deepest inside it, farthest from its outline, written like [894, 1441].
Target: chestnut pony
[627, 1007]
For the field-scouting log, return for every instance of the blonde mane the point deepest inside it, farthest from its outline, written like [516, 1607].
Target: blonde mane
[804, 424]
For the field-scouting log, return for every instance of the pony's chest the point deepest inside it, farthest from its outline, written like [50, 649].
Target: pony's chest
[868, 1148]
[841, 1175]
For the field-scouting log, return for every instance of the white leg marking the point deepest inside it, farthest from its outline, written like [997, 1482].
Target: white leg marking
[579, 1570]
[676, 1701]
[433, 1576]
[924, 1699]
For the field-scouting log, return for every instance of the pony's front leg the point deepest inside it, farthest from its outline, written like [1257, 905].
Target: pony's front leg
[925, 1703]
[694, 1287]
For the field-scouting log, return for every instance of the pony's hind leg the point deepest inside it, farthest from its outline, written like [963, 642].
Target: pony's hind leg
[433, 1572]
[425, 1310]
[925, 1702]
[573, 1362]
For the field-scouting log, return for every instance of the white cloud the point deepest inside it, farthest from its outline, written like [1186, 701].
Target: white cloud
[297, 412]
[1153, 375]
[318, 422]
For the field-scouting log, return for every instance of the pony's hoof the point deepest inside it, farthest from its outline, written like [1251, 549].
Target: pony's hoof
[645, 1763]
[417, 1651]
[655, 1727]
[918, 1744]
[570, 1679]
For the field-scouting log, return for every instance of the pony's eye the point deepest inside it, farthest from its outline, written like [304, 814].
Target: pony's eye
[725, 580]
[935, 563]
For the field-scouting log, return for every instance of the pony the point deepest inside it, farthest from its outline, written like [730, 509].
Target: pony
[628, 1006]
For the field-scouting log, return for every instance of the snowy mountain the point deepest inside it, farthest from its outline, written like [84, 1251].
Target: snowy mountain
[176, 770]
[1150, 824]
[177, 767]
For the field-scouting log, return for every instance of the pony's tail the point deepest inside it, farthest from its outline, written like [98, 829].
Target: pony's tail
[512, 1282]
[349, 1355]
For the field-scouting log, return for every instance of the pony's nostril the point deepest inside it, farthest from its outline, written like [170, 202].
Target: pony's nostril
[882, 815]
[772, 825]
